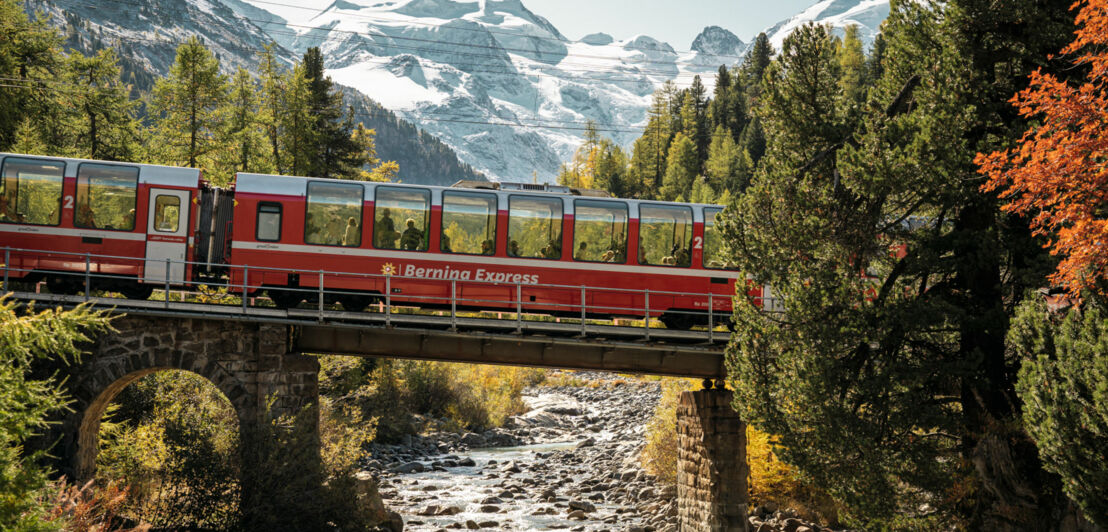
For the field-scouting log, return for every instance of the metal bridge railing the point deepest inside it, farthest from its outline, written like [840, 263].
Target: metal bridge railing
[575, 298]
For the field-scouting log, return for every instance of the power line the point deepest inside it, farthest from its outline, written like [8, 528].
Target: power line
[553, 39]
[417, 39]
[430, 117]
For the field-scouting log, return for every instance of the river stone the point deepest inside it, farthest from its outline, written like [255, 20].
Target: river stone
[490, 509]
[491, 500]
[577, 514]
[449, 510]
[472, 525]
[409, 467]
[584, 506]
[466, 462]
[587, 442]
[489, 524]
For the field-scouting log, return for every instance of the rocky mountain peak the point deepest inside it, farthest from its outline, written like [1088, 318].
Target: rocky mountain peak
[717, 41]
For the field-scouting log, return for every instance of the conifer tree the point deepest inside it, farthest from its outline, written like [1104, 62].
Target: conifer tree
[852, 68]
[273, 80]
[894, 388]
[296, 122]
[187, 106]
[683, 165]
[755, 64]
[245, 142]
[648, 159]
[335, 153]
[105, 124]
[728, 166]
[30, 51]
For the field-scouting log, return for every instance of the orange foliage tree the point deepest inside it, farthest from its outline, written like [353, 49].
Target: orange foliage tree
[1058, 173]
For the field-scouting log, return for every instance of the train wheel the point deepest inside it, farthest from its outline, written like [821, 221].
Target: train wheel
[284, 298]
[63, 285]
[136, 290]
[679, 321]
[352, 303]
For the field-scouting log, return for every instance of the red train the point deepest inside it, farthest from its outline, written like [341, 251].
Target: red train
[475, 245]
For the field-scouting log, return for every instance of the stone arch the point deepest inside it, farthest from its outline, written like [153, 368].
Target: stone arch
[112, 380]
[248, 362]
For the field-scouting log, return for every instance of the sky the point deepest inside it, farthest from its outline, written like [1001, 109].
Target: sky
[676, 22]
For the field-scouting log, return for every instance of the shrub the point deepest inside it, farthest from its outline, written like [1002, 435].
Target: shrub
[659, 456]
[180, 456]
[28, 339]
[1063, 384]
[770, 479]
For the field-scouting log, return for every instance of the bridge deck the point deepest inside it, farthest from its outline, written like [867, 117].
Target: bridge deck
[566, 344]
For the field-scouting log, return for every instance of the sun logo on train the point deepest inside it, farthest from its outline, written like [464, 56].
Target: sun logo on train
[388, 269]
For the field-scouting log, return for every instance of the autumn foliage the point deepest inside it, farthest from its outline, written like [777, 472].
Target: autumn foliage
[1058, 173]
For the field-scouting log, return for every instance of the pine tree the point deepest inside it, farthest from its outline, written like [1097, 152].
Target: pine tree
[335, 152]
[895, 388]
[755, 63]
[105, 124]
[682, 168]
[187, 107]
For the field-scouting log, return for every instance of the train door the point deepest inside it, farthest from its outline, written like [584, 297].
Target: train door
[166, 235]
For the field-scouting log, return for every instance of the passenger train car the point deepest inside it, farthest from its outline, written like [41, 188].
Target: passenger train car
[475, 245]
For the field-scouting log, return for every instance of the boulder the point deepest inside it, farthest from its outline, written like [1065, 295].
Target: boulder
[584, 506]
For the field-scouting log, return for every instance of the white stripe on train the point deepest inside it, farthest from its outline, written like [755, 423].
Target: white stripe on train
[481, 260]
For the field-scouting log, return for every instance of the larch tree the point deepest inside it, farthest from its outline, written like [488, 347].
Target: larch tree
[187, 107]
[682, 168]
[31, 58]
[270, 105]
[106, 126]
[243, 136]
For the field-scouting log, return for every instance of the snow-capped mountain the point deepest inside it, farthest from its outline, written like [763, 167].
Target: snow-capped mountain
[866, 14]
[493, 80]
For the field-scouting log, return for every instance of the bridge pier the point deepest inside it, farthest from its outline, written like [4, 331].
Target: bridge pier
[248, 362]
[711, 464]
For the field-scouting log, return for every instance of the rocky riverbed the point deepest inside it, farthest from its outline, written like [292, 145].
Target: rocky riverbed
[571, 462]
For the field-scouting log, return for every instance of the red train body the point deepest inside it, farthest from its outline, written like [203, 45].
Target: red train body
[468, 247]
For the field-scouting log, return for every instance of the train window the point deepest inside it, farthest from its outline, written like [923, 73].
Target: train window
[334, 216]
[665, 235]
[106, 197]
[714, 257]
[534, 227]
[599, 231]
[268, 226]
[468, 223]
[31, 191]
[412, 208]
[167, 214]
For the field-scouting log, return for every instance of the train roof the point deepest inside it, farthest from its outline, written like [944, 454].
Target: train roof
[297, 186]
[153, 174]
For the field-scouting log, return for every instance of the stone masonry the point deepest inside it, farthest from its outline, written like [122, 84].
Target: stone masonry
[711, 464]
[250, 363]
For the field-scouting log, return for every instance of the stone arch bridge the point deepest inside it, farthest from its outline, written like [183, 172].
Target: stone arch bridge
[259, 364]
